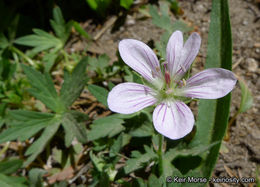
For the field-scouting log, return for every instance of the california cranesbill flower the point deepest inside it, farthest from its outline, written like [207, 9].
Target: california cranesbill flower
[165, 84]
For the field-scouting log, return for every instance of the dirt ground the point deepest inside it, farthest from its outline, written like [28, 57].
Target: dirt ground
[240, 155]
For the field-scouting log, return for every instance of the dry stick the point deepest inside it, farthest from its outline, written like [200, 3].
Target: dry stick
[237, 63]
[107, 25]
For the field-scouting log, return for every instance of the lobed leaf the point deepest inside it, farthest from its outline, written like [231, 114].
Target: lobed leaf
[99, 92]
[73, 83]
[108, 126]
[138, 161]
[73, 128]
[38, 146]
[43, 88]
[41, 41]
[25, 124]
[60, 27]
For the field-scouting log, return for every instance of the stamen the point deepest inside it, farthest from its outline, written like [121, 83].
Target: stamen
[184, 82]
[167, 78]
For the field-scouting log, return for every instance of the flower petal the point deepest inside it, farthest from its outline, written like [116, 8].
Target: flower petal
[189, 53]
[174, 47]
[173, 120]
[140, 57]
[210, 84]
[127, 98]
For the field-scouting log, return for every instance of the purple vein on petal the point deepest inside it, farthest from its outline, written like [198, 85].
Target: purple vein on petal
[179, 110]
[148, 101]
[164, 113]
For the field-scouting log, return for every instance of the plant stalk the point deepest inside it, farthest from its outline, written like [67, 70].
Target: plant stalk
[160, 154]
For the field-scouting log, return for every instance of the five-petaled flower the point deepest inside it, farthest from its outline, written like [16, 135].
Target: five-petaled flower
[166, 87]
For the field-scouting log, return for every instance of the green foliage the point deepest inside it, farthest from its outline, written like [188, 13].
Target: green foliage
[139, 160]
[35, 176]
[99, 6]
[80, 30]
[126, 3]
[103, 127]
[10, 181]
[43, 88]
[212, 126]
[73, 128]
[10, 166]
[60, 27]
[41, 41]
[73, 83]
[28, 123]
[164, 21]
[246, 97]
[99, 92]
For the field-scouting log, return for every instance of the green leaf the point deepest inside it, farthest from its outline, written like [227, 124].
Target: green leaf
[138, 161]
[49, 60]
[98, 162]
[62, 30]
[99, 64]
[11, 181]
[35, 176]
[3, 41]
[99, 92]
[43, 88]
[118, 144]
[25, 124]
[153, 181]
[126, 3]
[80, 30]
[73, 83]
[10, 166]
[163, 21]
[246, 97]
[39, 145]
[41, 41]
[73, 128]
[146, 129]
[108, 126]
[194, 151]
[213, 114]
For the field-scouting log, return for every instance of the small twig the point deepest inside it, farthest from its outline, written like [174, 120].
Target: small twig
[107, 25]
[237, 62]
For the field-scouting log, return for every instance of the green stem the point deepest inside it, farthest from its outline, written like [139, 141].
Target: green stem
[160, 154]
[29, 60]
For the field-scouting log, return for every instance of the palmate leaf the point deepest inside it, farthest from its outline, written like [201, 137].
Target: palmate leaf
[24, 124]
[38, 146]
[43, 88]
[41, 41]
[61, 28]
[99, 92]
[73, 128]
[74, 83]
[108, 126]
[138, 160]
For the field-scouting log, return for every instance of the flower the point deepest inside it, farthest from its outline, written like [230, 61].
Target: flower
[165, 84]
